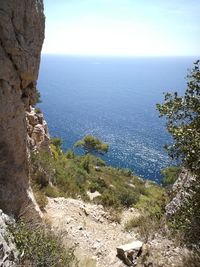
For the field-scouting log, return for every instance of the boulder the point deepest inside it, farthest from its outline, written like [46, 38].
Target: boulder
[128, 253]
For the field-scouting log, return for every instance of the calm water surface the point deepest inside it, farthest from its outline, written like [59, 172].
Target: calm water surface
[113, 99]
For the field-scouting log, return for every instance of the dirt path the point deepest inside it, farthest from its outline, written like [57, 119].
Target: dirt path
[89, 227]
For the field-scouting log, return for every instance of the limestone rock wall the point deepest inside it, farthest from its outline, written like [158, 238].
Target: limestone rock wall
[38, 134]
[8, 251]
[181, 190]
[21, 38]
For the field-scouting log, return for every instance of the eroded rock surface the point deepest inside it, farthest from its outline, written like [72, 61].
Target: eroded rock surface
[38, 134]
[8, 252]
[21, 38]
[182, 189]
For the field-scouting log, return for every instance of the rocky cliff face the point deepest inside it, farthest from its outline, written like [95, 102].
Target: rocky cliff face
[182, 190]
[8, 251]
[38, 134]
[21, 38]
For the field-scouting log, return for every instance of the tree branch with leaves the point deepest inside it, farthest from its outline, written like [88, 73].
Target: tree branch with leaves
[92, 145]
[183, 121]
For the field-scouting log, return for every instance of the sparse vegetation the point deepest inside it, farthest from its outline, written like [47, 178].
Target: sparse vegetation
[191, 259]
[41, 248]
[38, 110]
[154, 200]
[57, 142]
[37, 99]
[152, 207]
[187, 221]
[145, 225]
[39, 196]
[69, 175]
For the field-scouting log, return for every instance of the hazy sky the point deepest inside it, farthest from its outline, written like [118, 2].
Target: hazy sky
[123, 27]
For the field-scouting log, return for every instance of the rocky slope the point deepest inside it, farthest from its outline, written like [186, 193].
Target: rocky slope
[21, 38]
[96, 236]
[89, 227]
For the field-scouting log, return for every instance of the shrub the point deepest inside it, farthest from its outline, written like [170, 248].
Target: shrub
[170, 175]
[108, 199]
[153, 202]
[85, 163]
[42, 178]
[98, 184]
[41, 248]
[146, 226]
[57, 142]
[52, 191]
[40, 197]
[127, 198]
[99, 162]
[126, 172]
[70, 154]
[38, 110]
[37, 98]
[133, 222]
[43, 168]
[80, 177]
[114, 214]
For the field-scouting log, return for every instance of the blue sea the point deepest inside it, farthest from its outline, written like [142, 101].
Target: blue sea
[113, 99]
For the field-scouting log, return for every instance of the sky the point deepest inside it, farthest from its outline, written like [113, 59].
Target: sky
[122, 27]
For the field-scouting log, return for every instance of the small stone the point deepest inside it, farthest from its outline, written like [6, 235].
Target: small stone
[69, 220]
[131, 209]
[101, 220]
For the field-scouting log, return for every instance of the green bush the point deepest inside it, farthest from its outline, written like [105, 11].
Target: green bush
[41, 248]
[108, 199]
[42, 178]
[43, 168]
[70, 154]
[80, 177]
[128, 197]
[57, 142]
[52, 191]
[37, 98]
[153, 202]
[170, 175]
[38, 110]
[85, 163]
[126, 172]
[98, 185]
[99, 162]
